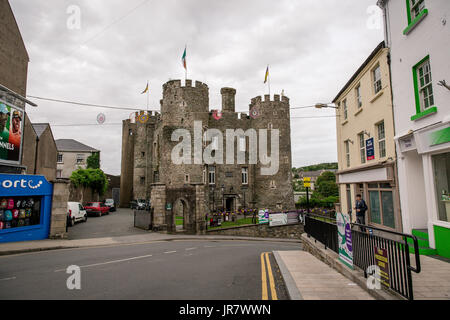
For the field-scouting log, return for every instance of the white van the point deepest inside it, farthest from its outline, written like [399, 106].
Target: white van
[75, 213]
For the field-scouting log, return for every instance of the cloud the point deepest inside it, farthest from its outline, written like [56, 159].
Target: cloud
[313, 48]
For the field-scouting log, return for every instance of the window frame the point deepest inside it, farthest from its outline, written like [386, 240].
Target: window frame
[345, 109]
[79, 157]
[347, 152]
[212, 175]
[244, 175]
[379, 189]
[60, 155]
[358, 96]
[422, 112]
[362, 147]
[377, 88]
[381, 141]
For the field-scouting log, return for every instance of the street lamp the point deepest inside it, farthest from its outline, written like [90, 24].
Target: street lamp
[325, 105]
[223, 197]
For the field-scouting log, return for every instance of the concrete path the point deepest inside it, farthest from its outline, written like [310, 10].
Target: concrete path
[43, 245]
[308, 278]
[433, 282]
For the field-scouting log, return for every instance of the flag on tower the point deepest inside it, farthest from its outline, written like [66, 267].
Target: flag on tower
[267, 75]
[146, 89]
[183, 59]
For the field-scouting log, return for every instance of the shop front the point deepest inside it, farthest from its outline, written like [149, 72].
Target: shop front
[25, 207]
[432, 147]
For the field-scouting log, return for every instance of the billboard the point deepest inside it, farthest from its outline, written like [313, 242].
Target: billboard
[11, 133]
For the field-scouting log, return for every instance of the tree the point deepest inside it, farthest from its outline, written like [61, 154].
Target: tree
[93, 161]
[90, 178]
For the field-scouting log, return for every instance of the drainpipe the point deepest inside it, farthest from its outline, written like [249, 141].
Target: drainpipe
[36, 155]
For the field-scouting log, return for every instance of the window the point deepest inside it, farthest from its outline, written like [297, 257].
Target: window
[441, 173]
[143, 154]
[130, 132]
[415, 8]
[186, 178]
[344, 103]
[270, 126]
[244, 175]
[347, 152]
[358, 96]
[362, 147]
[142, 180]
[60, 158]
[273, 185]
[156, 176]
[381, 139]
[59, 173]
[212, 175]
[241, 143]
[424, 85]
[381, 204]
[376, 79]
[80, 158]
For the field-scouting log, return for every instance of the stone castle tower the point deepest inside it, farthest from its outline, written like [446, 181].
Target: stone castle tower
[147, 147]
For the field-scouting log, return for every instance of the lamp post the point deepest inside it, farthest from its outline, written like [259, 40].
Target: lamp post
[223, 197]
[214, 200]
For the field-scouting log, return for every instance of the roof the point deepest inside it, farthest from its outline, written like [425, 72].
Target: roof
[373, 54]
[39, 128]
[73, 145]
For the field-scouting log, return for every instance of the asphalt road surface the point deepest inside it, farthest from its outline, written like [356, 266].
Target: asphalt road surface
[116, 224]
[199, 270]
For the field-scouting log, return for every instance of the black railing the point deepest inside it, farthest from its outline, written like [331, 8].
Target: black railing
[397, 248]
[364, 243]
[323, 229]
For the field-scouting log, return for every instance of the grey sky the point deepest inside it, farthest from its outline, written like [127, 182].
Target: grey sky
[313, 48]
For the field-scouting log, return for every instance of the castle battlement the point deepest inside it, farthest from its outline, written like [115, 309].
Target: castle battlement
[175, 84]
[267, 98]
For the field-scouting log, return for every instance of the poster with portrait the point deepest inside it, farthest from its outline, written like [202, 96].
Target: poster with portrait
[11, 132]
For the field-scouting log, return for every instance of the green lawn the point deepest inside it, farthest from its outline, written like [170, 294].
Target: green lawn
[240, 222]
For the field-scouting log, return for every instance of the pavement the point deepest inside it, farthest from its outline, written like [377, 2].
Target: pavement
[308, 278]
[162, 270]
[433, 282]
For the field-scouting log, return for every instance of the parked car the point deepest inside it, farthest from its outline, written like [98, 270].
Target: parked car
[75, 213]
[139, 204]
[111, 204]
[96, 208]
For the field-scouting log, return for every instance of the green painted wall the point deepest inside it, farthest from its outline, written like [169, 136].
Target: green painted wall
[442, 241]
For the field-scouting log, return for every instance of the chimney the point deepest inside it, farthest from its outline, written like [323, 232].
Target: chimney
[228, 98]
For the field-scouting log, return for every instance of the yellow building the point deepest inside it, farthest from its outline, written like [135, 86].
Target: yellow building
[366, 148]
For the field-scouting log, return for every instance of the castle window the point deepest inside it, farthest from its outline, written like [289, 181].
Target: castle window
[212, 175]
[244, 175]
[186, 178]
[270, 126]
[143, 154]
[156, 176]
[273, 185]
[142, 180]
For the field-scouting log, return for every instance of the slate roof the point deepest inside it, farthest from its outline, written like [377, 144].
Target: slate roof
[73, 145]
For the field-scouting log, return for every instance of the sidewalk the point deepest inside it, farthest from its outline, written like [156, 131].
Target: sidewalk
[308, 278]
[42, 245]
[433, 282]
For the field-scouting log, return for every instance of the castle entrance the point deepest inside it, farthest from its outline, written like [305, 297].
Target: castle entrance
[180, 214]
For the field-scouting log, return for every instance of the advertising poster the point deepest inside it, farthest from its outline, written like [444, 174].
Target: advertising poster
[278, 219]
[263, 216]
[345, 239]
[11, 128]
[382, 261]
[370, 149]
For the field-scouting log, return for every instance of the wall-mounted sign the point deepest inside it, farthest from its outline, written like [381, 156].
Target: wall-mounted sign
[11, 128]
[263, 216]
[168, 206]
[370, 149]
[278, 219]
[345, 239]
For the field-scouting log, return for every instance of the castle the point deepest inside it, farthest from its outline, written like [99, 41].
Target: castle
[149, 172]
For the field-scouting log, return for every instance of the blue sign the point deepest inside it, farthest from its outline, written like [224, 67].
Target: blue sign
[25, 207]
[370, 149]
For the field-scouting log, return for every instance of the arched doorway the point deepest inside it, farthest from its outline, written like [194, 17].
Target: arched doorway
[181, 214]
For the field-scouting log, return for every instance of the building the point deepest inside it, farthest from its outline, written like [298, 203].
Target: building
[147, 147]
[72, 155]
[418, 34]
[366, 148]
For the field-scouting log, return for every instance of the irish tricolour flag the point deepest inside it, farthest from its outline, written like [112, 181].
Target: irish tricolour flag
[183, 59]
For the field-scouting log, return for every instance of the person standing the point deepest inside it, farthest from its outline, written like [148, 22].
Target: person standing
[361, 208]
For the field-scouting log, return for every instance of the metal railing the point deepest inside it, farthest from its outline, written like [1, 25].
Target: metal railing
[323, 229]
[398, 254]
[364, 243]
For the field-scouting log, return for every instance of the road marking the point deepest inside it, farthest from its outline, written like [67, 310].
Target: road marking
[209, 246]
[109, 262]
[273, 291]
[263, 279]
[170, 252]
[6, 279]
[190, 249]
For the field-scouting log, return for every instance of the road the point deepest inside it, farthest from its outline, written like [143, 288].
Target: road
[199, 270]
[116, 224]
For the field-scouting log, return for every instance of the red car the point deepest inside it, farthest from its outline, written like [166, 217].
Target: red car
[96, 208]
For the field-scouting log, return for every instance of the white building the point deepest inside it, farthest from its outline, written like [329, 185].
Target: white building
[72, 155]
[418, 34]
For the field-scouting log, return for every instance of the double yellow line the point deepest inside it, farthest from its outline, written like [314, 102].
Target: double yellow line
[264, 274]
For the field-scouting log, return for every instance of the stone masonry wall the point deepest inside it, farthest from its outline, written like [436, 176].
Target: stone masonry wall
[290, 231]
[58, 218]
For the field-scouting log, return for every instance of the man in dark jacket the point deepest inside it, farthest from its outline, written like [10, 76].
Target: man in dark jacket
[361, 209]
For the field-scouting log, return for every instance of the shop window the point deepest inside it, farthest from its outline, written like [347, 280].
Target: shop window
[19, 212]
[381, 204]
[441, 172]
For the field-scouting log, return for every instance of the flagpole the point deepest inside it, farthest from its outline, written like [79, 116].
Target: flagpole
[185, 69]
[268, 78]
